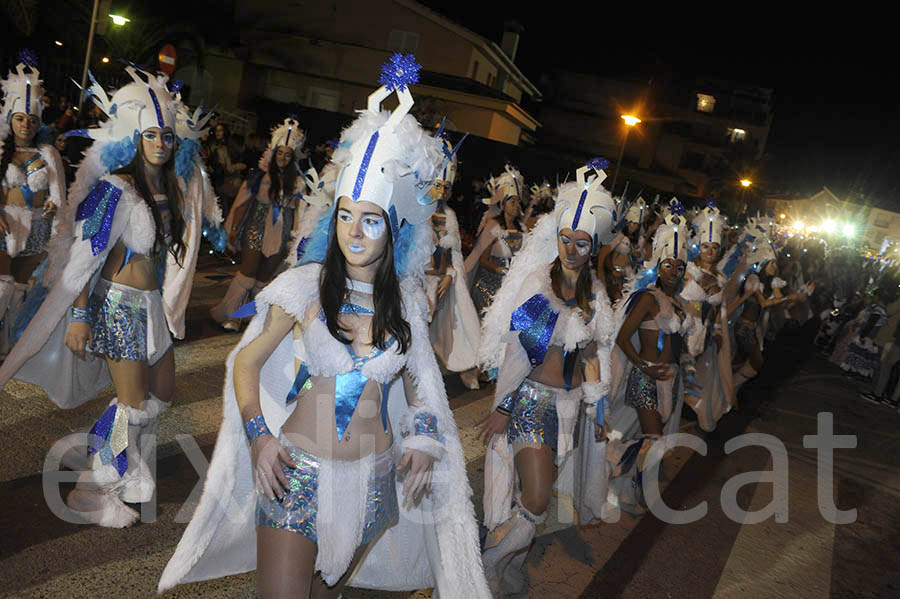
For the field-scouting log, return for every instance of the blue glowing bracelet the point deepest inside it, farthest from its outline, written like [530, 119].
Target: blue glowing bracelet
[80, 315]
[426, 424]
[256, 428]
[507, 405]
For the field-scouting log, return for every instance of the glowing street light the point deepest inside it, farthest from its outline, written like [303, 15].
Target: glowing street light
[58, 43]
[119, 20]
[829, 226]
[798, 225]
[746, 182]
[848, 230]
[105, 59]
[630, 122]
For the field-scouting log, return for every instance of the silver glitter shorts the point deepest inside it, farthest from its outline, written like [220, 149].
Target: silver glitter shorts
[128, 323]
[640, 392]
[484, 287]
[297, 511]
[255, 226]
[38, 235]
[534, 418]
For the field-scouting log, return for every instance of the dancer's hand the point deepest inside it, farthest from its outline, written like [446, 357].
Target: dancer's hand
[418, 479]
[49, 210]
[601, 431]
[4, 226]
[494, 424]
[443, 286]
[267, 456]
[660, 372]
[77, 337]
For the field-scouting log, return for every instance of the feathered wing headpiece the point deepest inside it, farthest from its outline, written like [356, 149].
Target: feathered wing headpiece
[450, 165]
[23, 90]
[190, 127]
[709, 225]
[386, 158]
[510, 183]
[670, 240]
[321, 186]
[757, 232]
[585, 205]
[637, 212]
[287, 133]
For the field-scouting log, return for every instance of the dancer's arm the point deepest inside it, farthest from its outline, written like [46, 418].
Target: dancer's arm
[265, 450]
[419, 463]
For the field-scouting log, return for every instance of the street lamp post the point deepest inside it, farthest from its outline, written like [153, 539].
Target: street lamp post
[87, 55]
[630, 121]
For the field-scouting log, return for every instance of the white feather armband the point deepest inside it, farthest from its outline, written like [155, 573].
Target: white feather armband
[424, 435]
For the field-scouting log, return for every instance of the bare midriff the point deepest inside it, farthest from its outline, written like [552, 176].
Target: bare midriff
[312, 425]
[139, 273]
[551, 371]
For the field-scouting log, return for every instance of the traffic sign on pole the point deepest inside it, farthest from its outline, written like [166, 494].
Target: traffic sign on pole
[167, 59]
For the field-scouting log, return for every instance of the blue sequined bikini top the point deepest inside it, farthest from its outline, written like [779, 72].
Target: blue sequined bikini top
[27, 191]
[348, 386]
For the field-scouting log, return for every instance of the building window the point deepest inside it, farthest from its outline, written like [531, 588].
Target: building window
[883, 221]
[404, 42]
[490, 80]
[475, 70]
[736, 135]
[705, 103]
[324, 99]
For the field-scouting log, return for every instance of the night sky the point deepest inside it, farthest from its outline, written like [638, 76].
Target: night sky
[834, 74]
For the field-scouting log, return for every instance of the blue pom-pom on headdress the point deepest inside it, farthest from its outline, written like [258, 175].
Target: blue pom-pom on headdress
[399, 72]
[710, 203]
[598, 164]
[28, 58]
[677, 207]
[176, 87]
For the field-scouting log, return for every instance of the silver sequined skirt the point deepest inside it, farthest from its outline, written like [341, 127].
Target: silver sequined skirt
[640, 391]
[38, 235]
[127, 323]
[485, 285]
[534, 417]
[297, 511]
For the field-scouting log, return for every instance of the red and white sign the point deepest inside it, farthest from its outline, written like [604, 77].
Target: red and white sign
[167, 59]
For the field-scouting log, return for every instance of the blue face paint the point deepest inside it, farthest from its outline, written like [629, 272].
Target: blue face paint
[373, 227]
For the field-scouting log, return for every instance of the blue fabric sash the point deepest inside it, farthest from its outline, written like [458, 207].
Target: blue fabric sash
[535, 321]
[570, 359]
[301, 383]
[97, 211]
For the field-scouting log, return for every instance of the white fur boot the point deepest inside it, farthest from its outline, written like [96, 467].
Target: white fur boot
[505, 543]
[138, 483]
[235, 297]
[116, 469]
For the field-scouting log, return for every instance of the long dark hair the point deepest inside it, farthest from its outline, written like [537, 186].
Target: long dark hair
[275, 173]
[388, 319]
[136, 169]
[582, 285]
[9, 148]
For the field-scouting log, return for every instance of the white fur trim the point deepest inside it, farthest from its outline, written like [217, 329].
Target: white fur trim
[424, 444]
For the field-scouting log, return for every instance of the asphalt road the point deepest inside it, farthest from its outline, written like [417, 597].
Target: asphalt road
[805, 556]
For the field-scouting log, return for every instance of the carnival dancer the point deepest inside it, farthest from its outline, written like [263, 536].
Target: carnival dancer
[265, 215]
[540, 202]
[658, 335]
[33, 190]
[706, 286]
[759, 290]
[549, 331]
[138, 229]
[499, 237]
[333, 343]
[455, 328]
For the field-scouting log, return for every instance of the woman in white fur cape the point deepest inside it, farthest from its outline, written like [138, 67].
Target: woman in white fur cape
[33, 213]
[336, 363]
[549, 330]
[122, 291]
[455, 327]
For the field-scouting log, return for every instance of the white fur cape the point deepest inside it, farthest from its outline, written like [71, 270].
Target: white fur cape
[50, 178]
[529, 274]
[455, 328]
[433, 545]
[40, 356]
